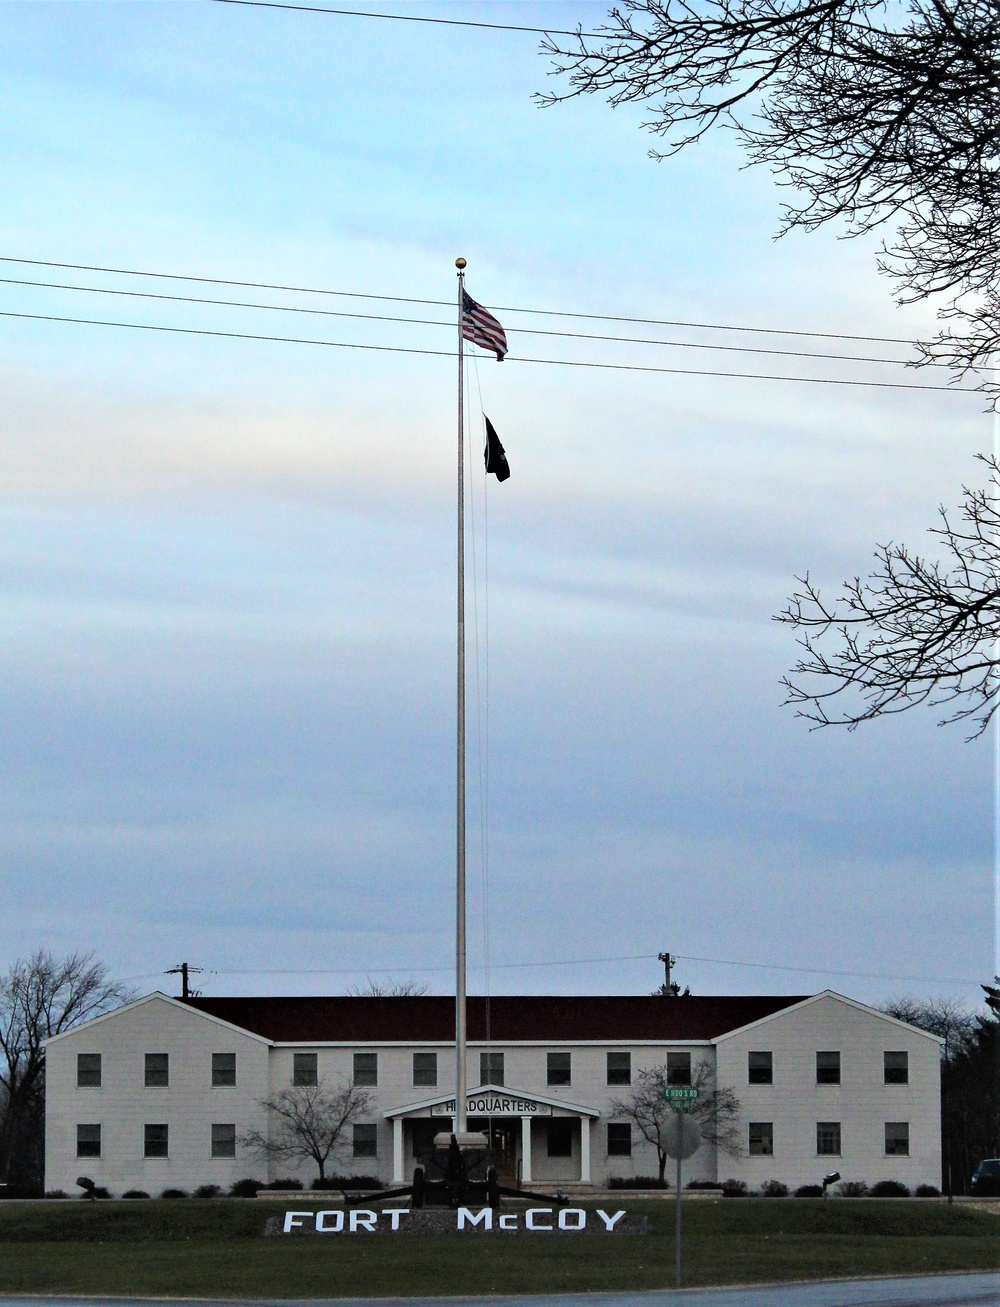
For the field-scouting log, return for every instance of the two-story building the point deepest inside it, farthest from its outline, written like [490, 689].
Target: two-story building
[162, 1092]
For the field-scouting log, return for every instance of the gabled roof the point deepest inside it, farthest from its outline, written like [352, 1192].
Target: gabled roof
[839, 998]
[431, 1019]
[155, 997]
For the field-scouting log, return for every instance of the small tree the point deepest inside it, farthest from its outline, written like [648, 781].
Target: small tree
[41, 996]
[308, 1122]
[387, 989]
[715, 1110]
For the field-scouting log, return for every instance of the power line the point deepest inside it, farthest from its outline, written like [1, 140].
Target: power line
[436, 322]
[500, 308]
[444, 353]
[413, 18]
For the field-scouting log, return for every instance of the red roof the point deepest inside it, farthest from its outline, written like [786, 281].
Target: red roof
[608, 1019]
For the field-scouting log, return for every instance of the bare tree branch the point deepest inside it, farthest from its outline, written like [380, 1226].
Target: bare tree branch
[308, 1123]
[913, 632]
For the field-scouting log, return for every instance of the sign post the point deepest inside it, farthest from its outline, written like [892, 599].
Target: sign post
[682, 1138]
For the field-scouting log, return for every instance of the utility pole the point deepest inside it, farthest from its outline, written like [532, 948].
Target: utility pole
[184, 969]
[668, 962]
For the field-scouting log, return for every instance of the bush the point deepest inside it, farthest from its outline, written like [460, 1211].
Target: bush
[703, 1184]
[888, 1189]
[852, 1189]
[207, 1191]
[246, 1188]
[734, 1188]
[927, 1191]
[135, 1193]
[809, 1191]
[637, 1182]
[773, 1189]
[98, 1191]
[55, 1193]
[174, 1193]
[287, 1183]
[347, 1182]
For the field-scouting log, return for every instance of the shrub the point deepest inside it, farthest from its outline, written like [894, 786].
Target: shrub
[637, 1182]
[773, 1189]
[927, 1191]
[734, 1188]
[98, 1191]
[852, 1188]
[347, 1182]
[809, 1191]
[888, 1189]
[287, 1183]
[174, 1193]
[207, 1191]
[55, 1193]
[246, 1188]
[703, 1184]
[135, 1193]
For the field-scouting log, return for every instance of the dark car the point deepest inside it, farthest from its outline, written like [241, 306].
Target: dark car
[986, 1181]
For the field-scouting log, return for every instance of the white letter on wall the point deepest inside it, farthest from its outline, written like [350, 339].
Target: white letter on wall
[579, 1218]
[531, 1213]
[467, 1217]
[363, 1219]
[293, 1220]
[395, 1213]
[323, 1228]
[610, 1221]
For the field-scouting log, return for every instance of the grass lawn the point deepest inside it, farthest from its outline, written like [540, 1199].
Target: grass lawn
[188, 1248]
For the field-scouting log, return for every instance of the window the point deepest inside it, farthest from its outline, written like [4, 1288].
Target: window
[761, 1139]
[828, 1068]
[223, 1068]
[366, 1141]
[224, 1140]
[366, 1068]
[156, 1139]
[560, 1137]
[425, 1068]
[619, 1068]
[897, 1138]
[88, 1070]
[491, 1068]
[619, 1139]
[678, 1068]
[760, 1068]
[304, 1069]
[896, 1068]
[558, 1069]
[157, 1070]
[828, 1138]
[88, 1141]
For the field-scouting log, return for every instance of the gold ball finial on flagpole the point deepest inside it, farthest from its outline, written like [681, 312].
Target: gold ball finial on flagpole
[460, 264]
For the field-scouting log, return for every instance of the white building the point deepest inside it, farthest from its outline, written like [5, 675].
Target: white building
[159, 1093]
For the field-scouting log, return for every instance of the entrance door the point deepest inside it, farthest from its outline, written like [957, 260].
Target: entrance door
[503, 1138]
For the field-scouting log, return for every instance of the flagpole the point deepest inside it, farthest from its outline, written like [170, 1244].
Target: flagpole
[460, 1027]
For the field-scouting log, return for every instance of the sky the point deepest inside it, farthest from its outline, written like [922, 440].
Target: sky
[227, 672]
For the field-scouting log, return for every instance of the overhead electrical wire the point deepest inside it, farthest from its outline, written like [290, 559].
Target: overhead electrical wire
[413, 18]
[436, 322]
[445, 353]
[499, 308]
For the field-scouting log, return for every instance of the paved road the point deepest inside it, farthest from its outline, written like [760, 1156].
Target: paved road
[918, 1291]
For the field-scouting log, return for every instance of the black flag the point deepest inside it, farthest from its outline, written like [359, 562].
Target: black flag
[496, 458]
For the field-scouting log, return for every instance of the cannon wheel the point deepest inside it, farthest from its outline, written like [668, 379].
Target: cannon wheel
[492, 1188]
[418, 1186]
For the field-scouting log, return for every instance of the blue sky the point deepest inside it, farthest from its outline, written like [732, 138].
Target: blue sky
[226, 687]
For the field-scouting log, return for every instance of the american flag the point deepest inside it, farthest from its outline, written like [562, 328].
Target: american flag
[481, 327]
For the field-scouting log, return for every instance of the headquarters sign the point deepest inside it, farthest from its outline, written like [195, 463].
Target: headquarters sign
[492, 1104]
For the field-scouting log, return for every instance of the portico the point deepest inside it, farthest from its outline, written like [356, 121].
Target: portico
[511, 1117]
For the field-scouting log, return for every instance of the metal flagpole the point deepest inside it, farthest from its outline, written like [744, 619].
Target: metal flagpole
[460, 1029]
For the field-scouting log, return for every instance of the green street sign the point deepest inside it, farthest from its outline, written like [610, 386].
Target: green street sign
[680, 1093]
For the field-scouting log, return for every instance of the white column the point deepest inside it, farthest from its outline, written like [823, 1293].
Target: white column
[585, 1150]
[525, 1149]
[397, 1150]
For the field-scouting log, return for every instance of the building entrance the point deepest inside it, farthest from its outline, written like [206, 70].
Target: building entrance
[503, 1136]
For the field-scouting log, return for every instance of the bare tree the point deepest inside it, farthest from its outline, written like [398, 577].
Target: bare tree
[308, 1123]
[870, 112]
[41, 996]
[915, 631]
[946, 1017]
[387, 989]
[645, 1107]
